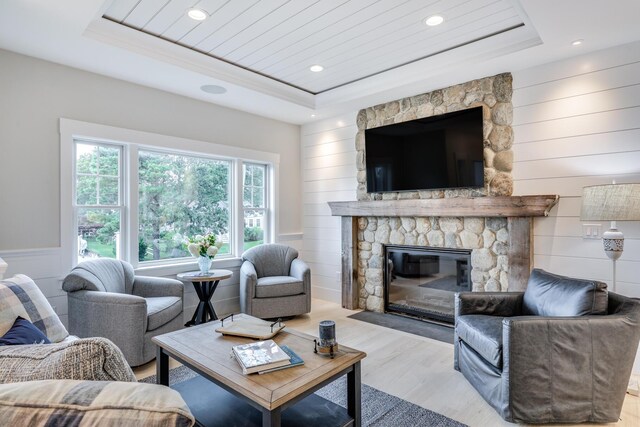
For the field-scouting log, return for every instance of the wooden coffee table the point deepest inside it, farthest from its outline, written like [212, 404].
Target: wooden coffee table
[222, 395]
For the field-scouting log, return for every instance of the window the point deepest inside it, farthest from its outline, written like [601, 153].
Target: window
[98, 207]
[137, 196]
[253, 203]
[180, 196]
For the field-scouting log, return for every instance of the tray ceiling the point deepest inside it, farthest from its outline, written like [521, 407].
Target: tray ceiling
[351, 39]
[154, 44]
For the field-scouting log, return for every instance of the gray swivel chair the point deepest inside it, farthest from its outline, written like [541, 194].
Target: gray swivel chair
[274, 282]
[560, 352]
[107, 300]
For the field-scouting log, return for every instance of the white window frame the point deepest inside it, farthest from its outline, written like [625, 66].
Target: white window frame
[267, 205]
[132, 141]
[121, 206]
[232, 165]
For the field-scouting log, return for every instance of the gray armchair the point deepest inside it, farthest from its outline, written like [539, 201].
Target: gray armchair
[107, 300]
[274, 282]
[561, 352]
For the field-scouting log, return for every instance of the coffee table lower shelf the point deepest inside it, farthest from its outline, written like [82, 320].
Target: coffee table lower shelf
[213, 406]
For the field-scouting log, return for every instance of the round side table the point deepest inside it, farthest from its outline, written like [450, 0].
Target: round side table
[205, 285]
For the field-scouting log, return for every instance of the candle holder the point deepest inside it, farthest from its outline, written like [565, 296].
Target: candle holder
[327, 343]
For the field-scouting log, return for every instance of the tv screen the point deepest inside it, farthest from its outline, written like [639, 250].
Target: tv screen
[444, 151]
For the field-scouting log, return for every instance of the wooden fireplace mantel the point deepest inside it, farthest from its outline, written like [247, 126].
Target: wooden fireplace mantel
[519, 211]
[501, 206]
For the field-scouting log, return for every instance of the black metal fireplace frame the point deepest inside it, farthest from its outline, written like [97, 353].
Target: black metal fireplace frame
[426, 250]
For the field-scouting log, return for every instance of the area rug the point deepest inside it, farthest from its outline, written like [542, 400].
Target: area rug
[406, 324]
[378, 408]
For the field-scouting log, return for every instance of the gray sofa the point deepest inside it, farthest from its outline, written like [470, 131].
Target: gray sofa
[560, 352]
[100, 359]
[274, 282]
[107, 300]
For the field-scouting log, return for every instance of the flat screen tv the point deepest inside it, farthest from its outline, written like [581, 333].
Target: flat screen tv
[444, 151]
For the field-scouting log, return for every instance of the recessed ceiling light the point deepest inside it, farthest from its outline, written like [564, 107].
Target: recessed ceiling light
[313, 115]
[577, 42]
[434, 20]
[213, 89]
[316, 68]
[197, 14]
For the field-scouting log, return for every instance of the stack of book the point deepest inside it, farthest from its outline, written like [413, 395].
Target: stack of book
[265, 356]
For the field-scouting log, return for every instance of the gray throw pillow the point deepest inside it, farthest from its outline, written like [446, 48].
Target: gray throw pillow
[549, 294]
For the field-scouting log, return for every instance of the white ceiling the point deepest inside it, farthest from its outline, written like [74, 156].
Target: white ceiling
[352, 39]
[260, 51]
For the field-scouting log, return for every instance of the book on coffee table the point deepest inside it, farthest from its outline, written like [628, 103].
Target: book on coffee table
[294, 361]
[260, 356]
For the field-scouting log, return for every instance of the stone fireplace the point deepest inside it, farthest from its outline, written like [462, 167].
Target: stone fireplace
[486, 238]
[488, 222]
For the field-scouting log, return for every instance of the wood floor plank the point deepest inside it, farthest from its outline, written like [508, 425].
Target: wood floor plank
[417, 369]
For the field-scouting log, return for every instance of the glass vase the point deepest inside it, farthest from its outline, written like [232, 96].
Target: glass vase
[204, 263]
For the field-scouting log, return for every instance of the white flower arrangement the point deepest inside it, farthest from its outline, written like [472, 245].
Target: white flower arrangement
[206, 246]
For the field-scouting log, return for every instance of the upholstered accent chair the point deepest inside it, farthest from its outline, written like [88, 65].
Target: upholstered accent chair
[560, 352]
[274, 282]
[107, 300]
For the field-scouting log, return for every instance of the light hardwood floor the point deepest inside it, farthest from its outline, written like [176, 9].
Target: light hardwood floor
[413, 368]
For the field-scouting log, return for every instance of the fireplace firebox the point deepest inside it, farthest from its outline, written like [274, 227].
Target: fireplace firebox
[422, 281]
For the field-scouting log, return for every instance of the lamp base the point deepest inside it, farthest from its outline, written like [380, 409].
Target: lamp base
[613, 242]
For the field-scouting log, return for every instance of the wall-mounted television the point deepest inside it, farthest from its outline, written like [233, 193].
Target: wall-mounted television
[443, 151]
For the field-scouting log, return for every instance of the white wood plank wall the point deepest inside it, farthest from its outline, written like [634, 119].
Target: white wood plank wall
[329, 174]
[577, 123]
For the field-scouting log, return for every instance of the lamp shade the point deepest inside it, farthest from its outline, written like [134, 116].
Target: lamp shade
[611, 202]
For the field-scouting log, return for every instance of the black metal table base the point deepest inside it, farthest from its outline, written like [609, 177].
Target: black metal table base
[216, 404]
[204, 312]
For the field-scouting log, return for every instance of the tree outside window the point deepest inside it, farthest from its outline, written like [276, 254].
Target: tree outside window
[179, 197]
[98, 202]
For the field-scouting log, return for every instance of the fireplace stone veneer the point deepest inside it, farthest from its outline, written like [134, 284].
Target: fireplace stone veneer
[493, 94]
[487, 238]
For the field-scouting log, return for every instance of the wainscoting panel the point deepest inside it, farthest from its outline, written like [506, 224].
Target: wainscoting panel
[329, 174]
[44, 267]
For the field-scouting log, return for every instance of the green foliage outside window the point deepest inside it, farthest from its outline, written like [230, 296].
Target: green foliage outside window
[179, 196]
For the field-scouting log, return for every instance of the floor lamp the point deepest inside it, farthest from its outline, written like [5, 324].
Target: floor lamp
[611, 202]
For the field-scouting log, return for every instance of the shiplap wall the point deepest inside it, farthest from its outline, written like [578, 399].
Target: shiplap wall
[577, 123]
[329, 174]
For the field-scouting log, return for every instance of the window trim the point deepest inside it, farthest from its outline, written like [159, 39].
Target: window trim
[132, 140]
[123, 174]
[135, 221]
[267, 236]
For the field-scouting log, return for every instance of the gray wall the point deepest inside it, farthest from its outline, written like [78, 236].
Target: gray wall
[34, 94]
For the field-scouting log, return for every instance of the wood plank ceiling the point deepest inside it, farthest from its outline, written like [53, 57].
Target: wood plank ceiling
[351, 39]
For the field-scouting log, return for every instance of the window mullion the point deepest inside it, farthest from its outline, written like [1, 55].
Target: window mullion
[238, 198]
[131, 202]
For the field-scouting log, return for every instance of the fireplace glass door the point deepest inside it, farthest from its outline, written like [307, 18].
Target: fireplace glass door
[421, 281]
